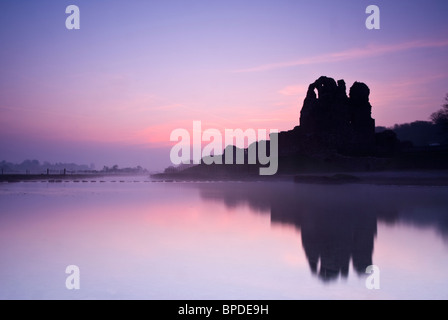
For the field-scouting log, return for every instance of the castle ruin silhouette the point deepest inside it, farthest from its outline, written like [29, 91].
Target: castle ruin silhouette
[332, 122]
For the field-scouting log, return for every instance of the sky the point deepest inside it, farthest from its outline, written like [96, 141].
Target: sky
[114, 90]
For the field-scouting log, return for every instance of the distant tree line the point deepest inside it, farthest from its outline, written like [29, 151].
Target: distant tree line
[116, 170]
[424, 133]
[179, 168]
[35, 167]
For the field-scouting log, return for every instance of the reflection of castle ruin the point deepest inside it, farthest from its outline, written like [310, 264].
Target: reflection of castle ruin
[338, 224]
[332, 122]
[335, 231]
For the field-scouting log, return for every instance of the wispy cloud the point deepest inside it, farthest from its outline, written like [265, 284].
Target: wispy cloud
[407, 91]
[355, 53]
[294, 90]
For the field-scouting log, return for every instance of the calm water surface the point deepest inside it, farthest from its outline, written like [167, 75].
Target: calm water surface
[228, 240]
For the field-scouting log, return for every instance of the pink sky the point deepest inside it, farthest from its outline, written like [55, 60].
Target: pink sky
[130, 84]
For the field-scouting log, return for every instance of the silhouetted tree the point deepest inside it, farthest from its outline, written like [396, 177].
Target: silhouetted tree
[440, 118]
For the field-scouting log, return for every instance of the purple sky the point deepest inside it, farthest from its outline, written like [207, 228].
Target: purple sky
[113, 91]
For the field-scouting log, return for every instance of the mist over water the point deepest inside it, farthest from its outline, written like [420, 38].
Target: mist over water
[221, 240]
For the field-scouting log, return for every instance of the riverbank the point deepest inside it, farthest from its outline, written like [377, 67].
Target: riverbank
[398, 178]
[404, 178]
[12, 178]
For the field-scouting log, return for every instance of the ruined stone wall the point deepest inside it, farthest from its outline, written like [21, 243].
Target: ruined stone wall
[331, 121]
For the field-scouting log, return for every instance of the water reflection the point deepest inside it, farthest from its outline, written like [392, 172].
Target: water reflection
[221, 240]
[338, 224]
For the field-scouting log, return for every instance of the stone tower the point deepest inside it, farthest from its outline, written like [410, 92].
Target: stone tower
[331, 121]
